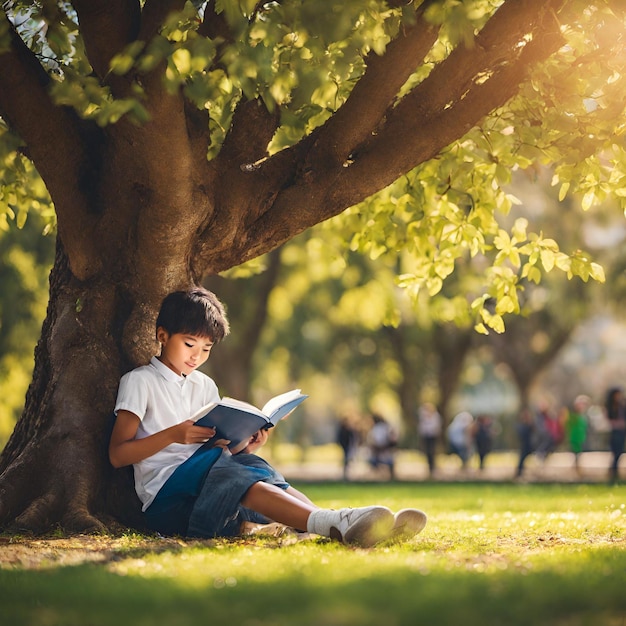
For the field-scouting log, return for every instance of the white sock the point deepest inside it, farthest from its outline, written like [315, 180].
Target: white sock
[321, 520]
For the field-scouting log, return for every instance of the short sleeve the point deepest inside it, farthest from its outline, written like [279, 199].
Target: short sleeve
[132, 395]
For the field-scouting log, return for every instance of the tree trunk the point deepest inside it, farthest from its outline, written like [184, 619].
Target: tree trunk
[55, 468]
[408, 389]
[515, 346]
[452, 345]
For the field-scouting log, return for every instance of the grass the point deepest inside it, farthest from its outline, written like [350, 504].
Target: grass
[491, 554]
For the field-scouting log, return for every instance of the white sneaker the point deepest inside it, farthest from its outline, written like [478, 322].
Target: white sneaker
[365, 526]
[408, 523]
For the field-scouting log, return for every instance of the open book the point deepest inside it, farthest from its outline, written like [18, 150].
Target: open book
[236, 420]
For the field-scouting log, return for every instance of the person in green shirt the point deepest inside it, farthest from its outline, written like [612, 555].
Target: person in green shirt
[576, 426]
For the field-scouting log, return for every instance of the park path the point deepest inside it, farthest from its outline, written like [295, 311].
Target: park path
[500, 467]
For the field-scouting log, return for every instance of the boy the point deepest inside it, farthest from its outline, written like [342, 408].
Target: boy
[192, 485]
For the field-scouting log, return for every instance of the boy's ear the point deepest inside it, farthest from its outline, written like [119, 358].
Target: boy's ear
[162, 335]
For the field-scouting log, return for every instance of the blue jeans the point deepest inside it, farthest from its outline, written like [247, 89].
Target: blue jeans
[170, 510]
[217, 511]
[202, 497]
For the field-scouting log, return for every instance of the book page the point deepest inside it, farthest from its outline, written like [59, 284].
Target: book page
[241, 405]
[276, 403]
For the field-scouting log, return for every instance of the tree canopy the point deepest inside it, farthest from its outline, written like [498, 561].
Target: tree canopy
[177, 140]
[326, 81]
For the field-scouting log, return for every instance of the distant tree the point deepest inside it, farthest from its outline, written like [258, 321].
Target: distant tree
[177, 141]
[553, 310]
[25, 261]
[248, 314]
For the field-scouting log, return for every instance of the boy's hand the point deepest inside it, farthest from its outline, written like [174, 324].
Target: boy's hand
[257, 440]
[221, 443]
[188, 432]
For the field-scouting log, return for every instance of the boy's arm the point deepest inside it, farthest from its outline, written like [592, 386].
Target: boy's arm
[124, 449]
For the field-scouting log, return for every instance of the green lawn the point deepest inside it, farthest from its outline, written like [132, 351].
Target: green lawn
[491, 554]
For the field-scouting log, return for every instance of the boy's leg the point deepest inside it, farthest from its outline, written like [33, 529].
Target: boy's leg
[278, 505]
[364, 526]
[246, 489]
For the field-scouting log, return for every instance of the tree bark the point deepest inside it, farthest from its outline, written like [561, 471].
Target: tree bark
[53, 466]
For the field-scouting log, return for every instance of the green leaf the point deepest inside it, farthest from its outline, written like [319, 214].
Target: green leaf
[597, 272]
[182, 60]
[497, 323]
[588, 200]
[548, 259]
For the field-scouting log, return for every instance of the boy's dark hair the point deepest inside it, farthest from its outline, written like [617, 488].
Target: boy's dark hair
[194, 312]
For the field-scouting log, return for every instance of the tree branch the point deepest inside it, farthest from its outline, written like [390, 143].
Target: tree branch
[461, 90]
[107, 26]
[153, 16]
[447, 103]
[213, 27]
[374, 93]
[55, 146]
[356, 119]
[439, 110]
[251, 130]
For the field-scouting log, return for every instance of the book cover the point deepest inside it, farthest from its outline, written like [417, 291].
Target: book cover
[236, 420]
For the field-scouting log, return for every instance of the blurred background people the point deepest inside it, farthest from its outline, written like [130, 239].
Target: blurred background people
[483, 438]
[429, 429]
[382, 440]
[348, 440]
[460, 436]
[616, 414]
[525, 433]
[549, 431]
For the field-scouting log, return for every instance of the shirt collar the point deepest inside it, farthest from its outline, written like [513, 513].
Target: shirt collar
[166, 372]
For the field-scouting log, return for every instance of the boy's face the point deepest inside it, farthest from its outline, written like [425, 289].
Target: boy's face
[183, 353]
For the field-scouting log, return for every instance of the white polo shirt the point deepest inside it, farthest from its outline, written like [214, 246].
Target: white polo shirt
[161, 398]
